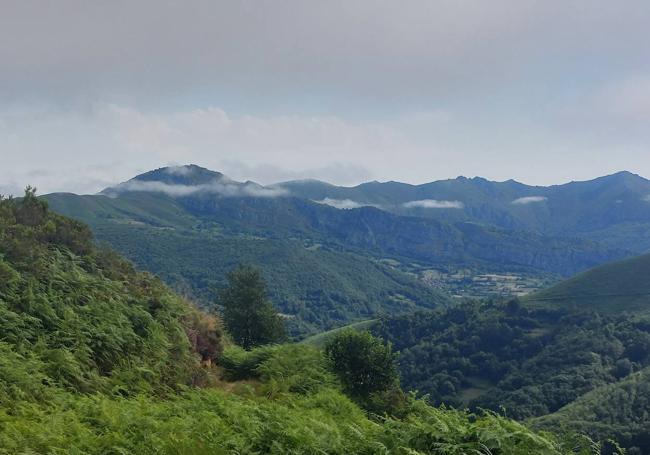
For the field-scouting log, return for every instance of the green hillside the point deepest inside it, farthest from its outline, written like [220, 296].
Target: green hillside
[317, 286]
[83, 318]
[96, 358]
[522, 361]
[615, 287]
[573, 356]
[619, 410]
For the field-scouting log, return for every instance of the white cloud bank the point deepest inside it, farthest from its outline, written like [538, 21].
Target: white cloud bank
[219, 187]
[434, 204]
[343, 204]
[529, 200]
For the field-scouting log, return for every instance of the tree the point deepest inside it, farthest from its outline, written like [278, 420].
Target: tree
[364, 364]
[249, 316]
[31, 211]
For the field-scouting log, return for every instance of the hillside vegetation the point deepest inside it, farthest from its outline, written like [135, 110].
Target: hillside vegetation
[620, 409]
[97, 358]
[615, 287]
[576, 366]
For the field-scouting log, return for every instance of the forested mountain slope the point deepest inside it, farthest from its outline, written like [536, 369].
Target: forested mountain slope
[96, 358]
[615, 287]
[577, 353]
[613, 209]
[317, 286]
[621, 410]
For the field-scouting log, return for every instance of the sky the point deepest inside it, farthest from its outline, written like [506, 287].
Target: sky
[544, 92]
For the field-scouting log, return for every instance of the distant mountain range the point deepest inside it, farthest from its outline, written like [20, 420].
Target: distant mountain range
[614, 209]
[465, 236]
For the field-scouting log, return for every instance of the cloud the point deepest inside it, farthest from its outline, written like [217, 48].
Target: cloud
[360, 48]
[340, 173]
[343, 204]
[529, 200]
[343, 91]
[628, 99]
[220, 187]
[178, 170]
[647, 198]
[434, 204]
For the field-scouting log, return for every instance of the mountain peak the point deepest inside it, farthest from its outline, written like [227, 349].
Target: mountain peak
[625, 175]
[190, 174]
[179, 181]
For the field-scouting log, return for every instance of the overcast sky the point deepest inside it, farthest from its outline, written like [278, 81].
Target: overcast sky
[93, 92]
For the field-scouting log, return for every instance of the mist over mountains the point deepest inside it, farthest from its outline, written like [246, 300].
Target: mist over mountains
[613, 210]
[465, 237]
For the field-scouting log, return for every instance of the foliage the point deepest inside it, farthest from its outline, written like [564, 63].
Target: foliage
[96, 358]
[521, 361]
[620, 410]
[274, 419]
[83, 318]
[363, 362]
[250, 317]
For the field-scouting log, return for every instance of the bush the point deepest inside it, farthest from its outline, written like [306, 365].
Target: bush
[363, 363]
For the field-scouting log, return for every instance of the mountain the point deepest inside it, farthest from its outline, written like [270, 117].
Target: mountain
[316, 286]
[189, 225]
[615, 287]
[97, 358]
[614, 209]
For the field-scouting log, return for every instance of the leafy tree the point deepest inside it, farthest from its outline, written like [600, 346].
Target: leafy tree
[363, 362]
[250, 317]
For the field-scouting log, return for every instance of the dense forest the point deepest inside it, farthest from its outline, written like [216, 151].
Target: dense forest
[98, 358]
[523, 361]
[318, 288]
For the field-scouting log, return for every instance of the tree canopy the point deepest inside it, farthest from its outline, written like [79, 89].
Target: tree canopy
[363, 362]
[251, 319]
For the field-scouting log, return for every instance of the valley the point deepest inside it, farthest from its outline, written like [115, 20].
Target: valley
[481, 317]
[235, 222]
[324, 227]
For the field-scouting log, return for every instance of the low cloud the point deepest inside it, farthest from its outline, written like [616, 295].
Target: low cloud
[434, 204]
[343, 204]
[529, 200]
[178, 170]
[647, 198]
[223, 188]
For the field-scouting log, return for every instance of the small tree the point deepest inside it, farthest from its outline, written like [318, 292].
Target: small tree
[249, 316]
[364, 364]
